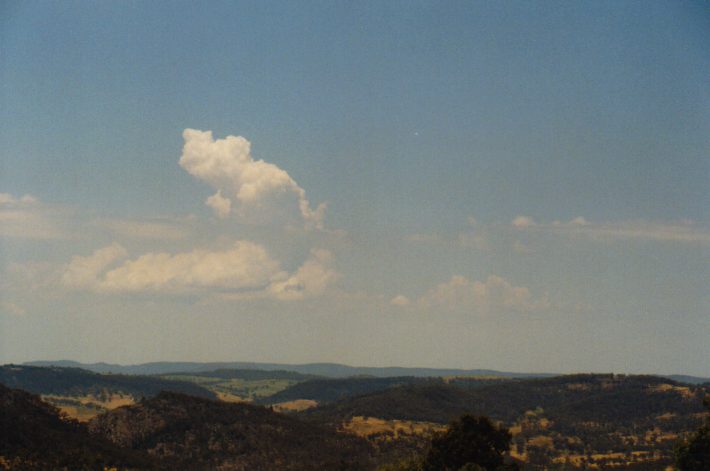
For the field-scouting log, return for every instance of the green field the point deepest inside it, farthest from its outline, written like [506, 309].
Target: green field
[244, 388]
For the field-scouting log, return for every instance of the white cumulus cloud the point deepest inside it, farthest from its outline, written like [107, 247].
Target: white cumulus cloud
[245, 270]
[83, 272]
[255, 190]
[220, 205]
[523, 221]
[310, 280]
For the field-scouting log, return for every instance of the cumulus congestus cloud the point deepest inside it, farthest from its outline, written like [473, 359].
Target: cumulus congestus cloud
[253, 190]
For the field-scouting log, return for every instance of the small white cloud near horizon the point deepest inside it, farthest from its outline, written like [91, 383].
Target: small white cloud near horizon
[494, 295]
[12, 309]
[523, 221]
[255, 190]
[579, 221]
[400, 300]
[684, 231]
[474, 241]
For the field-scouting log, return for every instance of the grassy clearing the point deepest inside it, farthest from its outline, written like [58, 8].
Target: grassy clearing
[295, 406]
[84, 408]
[235, 389]
[371, 426]
[683, 391]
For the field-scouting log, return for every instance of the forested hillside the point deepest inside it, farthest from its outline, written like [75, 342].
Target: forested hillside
[567, 422]
[577, 419]
[33, 436]
[76, 382]
[326, 390]
[195, 433]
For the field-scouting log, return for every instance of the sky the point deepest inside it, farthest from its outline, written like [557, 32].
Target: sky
[520, 186]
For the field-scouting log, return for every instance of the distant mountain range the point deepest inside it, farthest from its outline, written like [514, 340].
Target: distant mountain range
[330, 370]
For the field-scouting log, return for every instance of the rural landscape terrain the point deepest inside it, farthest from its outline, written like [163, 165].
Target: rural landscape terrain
[244, 416]
[490, 218]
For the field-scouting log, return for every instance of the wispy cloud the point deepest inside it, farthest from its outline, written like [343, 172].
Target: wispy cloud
[493, 295]
[686, 231]
[145, 229]
[523, 221]
[12, 309]
[28, 218]
[424, 238]
[400, 300]
[475, 241]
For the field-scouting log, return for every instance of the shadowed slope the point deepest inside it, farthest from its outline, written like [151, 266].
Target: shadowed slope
[195, 433]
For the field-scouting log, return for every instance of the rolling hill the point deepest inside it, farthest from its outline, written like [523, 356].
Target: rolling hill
[607, 418]
[33, 436]
[75, 381]
[186, 432]
[326, 390]
[83, 394]
[241, 385]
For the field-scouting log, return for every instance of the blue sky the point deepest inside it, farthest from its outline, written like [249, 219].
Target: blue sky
[508, 185]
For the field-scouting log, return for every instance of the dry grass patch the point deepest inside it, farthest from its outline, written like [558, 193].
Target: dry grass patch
[295, 406]
[579, 387]
[229, 397]
[85, 408]
[683, 391]
[542, 441]
[371, 426]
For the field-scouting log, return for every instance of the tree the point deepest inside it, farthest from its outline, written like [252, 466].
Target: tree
[693, 454]
[468, 441]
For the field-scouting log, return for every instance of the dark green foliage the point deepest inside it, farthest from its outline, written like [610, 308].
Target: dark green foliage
[621, 400]
[33, 436]
[78, 382]
[693, 454]
[330, 390]
[471, 442]
[597, 412]
[194, 433]
[411, 464]
[434, 402]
